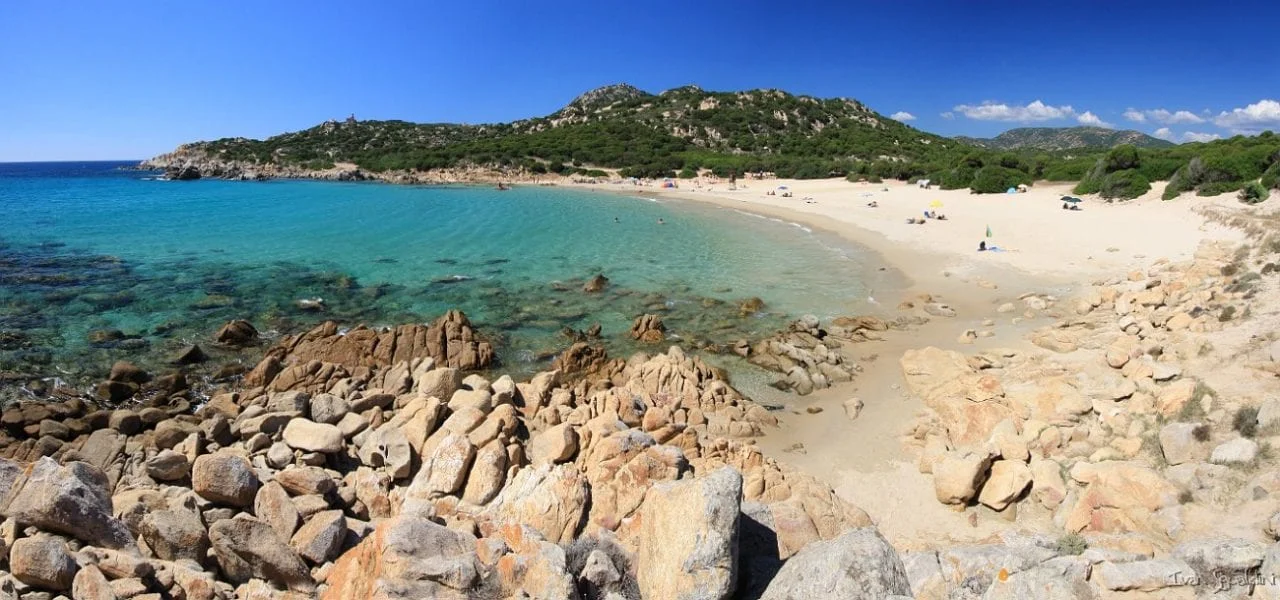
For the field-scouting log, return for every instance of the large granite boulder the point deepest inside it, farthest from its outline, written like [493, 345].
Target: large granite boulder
[859, 565]
[407, 557]
[247, 548]
[225, 478]
[175, 534]
[689, 538]
[43, 562]
[73, 499]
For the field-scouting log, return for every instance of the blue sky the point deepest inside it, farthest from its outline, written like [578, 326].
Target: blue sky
[102, 80]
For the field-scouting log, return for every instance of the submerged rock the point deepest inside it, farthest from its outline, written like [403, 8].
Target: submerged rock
[236, 334]
[648, 329]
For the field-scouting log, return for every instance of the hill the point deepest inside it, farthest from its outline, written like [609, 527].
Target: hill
[615, 126]
[1065, 138]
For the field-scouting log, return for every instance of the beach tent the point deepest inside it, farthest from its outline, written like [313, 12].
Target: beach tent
[1011, 191]
[924, 183]
[1022, 188]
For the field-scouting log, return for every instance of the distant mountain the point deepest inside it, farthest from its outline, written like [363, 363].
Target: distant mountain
[1065, 138]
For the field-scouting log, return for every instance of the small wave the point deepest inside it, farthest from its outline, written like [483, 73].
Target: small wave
[750, 214]
[799, 226]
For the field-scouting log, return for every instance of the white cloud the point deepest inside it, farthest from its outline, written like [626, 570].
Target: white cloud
[1035, 111]
[902, 115]
[1264, 114]
[1191, 136]
[1088, 118]
[948, 115]
[1162, 116]
[1163, 133]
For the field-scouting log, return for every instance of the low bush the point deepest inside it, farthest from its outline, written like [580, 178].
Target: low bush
[1124, 185]
[1253, 193]
[1245, 421]
[1072, 544]
[994, 179]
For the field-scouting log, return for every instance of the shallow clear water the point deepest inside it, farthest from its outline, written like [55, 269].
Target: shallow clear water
[88, 246]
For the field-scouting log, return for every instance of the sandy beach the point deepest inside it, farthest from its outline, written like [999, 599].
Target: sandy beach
[1035, 236]
[1044, 250]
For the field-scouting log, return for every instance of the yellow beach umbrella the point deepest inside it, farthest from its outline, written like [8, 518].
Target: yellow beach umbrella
[935, 204]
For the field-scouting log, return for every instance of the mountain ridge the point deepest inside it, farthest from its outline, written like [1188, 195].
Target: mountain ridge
[1065, 138]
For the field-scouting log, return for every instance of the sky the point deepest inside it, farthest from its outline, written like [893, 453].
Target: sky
[128, 80]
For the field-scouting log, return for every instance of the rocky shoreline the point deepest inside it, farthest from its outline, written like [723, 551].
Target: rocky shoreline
[187, 165]
[368, 465]
[1127, 446]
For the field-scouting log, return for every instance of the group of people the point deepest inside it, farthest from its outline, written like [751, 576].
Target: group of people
[1070, 206]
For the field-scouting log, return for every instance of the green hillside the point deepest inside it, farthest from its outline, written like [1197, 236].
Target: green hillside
[1066, 138]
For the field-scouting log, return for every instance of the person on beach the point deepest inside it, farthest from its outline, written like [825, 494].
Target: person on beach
[982, 246]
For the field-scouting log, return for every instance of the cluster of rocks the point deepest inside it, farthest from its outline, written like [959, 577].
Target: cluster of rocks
[1108, 434]
[369, 465]
[807, 354]
[187, 165]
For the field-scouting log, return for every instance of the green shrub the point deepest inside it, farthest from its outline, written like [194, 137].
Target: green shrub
[992, 179]
[1121, 158]
[1200, 433]
[1217, 187]
[1245, 421]
[1072, 544]
[1253, 193]
[1124, 185]
[688, 173]
[1271, 177]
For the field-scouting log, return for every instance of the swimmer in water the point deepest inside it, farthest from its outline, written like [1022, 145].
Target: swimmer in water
[615, 220]
[661, 222]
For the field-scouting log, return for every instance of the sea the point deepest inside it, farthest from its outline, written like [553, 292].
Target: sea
[101, 262]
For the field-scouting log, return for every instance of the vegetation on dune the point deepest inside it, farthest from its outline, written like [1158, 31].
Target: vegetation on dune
[685, 131]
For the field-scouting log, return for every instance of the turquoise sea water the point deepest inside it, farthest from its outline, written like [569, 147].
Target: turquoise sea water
[87, 247]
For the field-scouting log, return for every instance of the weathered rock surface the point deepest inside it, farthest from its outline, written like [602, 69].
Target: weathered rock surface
[43, 562]
[73, 499]
[225, 478]
[247, 548]
[859, 565]
[689, 538]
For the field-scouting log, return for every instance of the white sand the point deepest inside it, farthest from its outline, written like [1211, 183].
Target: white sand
[1037, 236]
[1047, 250]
